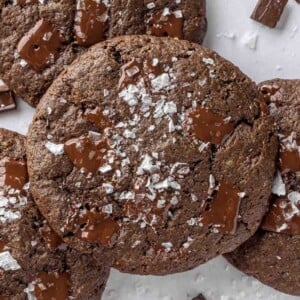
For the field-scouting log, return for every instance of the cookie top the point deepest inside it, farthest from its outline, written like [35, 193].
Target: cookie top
[272, 255]
[39, 38]
[33, 259]
[153, 149]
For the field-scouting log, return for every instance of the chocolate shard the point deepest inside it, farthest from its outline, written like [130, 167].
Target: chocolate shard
[199, 297]
[41, 45]
[7, 100]
[268, 12]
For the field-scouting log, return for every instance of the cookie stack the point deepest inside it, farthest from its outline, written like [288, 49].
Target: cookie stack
[148, 154]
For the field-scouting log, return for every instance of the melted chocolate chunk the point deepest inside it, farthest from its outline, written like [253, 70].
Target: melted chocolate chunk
[51, 238]
[133, 70]
[95, 227]
[268, 12]
[7, 100]
[96, 117]
[86, 152]
[167, 24]
[52, 286]
[222, 212]
[2, 245]
[289, 160]
[208, 126]
[266, 96]
[24, 2]
[13, 173]
[90, 22]
[283, 217]
[41, 45]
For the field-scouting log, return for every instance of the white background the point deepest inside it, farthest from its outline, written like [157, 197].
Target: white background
[274, 54]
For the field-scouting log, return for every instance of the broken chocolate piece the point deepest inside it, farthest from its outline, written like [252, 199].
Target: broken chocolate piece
[208, 126]
[222, 212]
[268, 12]
[167, 24]
[52, 286]
[90, 22]
[7, 100]
[86, 152]
[41, 45]
[199, 297]
[25, 2]
[95, 227]
[284, 215]
[13, 173]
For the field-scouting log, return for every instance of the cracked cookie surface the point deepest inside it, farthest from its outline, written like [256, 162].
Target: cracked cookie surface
[153, 150]
[39, 38]
[34, 261]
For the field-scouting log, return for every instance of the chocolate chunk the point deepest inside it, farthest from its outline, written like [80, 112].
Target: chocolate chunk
[96, 117]
[90, 22]
[13, 173]
[25, 2]
[167, 23]
[52, 286]
[86, 152]
[7, 101]
[283, 216]
[199, 297]
[289, 160]
[41, 45]
[207, 126]
[132, 71]
[222, 212]
[95, 227]
[2, 245]
[268, 12]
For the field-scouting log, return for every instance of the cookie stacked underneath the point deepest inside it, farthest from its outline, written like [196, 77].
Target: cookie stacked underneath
[273, 254]
[34, 262]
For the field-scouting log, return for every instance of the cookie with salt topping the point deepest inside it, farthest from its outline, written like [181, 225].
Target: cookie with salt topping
[39, 38]
[34, 261]
[272, 255]
[154, 150]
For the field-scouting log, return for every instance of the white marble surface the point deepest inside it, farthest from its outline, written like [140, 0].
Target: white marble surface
[262, 53]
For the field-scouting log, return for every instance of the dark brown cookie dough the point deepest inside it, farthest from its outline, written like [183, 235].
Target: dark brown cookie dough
[152, 148]
[273, 254]
[39, 38]
[33, 259]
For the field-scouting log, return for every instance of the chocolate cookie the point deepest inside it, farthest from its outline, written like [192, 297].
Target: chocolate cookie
[39, 38]
[152, 148]
[273, 254]
[33, 259]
